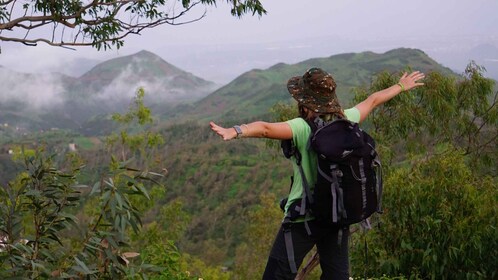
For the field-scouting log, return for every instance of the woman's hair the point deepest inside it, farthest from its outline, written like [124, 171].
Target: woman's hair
[309, 115]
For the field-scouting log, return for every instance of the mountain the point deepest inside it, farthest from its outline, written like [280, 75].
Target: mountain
[110, 86]
[142, 69]
[253, 93]
[46, 100]
[41, 101]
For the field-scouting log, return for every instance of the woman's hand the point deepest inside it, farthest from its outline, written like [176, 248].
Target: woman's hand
[406, 82]
[225, 133]
[409, 81]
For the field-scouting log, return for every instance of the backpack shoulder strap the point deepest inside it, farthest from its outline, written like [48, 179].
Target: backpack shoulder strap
[290, 149]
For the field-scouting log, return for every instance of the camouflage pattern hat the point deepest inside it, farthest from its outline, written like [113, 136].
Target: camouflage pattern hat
[316, 91]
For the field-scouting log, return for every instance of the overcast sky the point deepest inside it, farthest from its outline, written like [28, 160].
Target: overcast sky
[220, 47]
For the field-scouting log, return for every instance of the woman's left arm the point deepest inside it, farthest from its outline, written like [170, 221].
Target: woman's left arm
[406, 82]
[259, 129]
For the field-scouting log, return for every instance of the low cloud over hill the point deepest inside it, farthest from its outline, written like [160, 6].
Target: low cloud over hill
[106, 88]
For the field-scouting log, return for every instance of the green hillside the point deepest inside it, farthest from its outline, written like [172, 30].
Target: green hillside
[254, 92]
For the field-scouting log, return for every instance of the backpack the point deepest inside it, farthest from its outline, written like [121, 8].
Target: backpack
[348, 189]
[349, 180]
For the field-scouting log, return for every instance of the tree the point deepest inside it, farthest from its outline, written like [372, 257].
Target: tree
[41, 236]
[99, 23]
[460, 112]
[439, 222]
[250, 259]
[440, 190]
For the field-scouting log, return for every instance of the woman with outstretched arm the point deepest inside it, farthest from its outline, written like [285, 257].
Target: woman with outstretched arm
[318, 103]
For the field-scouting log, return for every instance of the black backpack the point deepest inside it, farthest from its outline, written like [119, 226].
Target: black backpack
[349, 179]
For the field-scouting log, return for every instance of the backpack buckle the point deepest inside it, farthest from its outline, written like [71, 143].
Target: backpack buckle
[286, 224]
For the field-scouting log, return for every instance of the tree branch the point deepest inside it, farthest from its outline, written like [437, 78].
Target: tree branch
[98, 23]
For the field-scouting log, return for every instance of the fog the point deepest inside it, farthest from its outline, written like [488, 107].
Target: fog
[40, 91]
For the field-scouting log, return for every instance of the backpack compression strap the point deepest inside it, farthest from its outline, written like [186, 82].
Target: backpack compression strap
[376, 164]
[338, 208]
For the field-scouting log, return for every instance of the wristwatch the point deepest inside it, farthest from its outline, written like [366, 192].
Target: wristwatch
[238, 130]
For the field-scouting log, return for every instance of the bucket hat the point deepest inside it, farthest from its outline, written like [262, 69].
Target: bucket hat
[315, 90]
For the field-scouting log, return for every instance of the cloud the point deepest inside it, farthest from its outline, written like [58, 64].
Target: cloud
[158, 89]
[37, 92]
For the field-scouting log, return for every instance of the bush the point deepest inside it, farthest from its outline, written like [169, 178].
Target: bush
[439, 223]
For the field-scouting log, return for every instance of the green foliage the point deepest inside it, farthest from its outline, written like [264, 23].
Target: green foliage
[132, 142]
[217, 183]
[463, 112]
[44, 238]
[37, 215]
[207, 271]
[102, 24]
[161, 254]
[439, 222]
[34, 211]
[262, 222]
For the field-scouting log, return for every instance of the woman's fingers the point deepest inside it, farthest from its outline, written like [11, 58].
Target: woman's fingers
[411, 80]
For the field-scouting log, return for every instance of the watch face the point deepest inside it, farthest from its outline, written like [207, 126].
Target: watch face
[238, 130]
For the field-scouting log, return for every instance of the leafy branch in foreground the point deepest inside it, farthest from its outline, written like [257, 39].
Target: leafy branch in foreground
[460, 112]
[101, 24]
[47, 231]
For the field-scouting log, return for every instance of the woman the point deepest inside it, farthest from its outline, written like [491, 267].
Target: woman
[317, 102]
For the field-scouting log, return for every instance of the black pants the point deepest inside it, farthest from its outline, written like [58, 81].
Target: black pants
[334, 260]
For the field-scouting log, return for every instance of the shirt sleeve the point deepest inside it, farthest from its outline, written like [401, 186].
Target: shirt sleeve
[300, 130]
[352, 114]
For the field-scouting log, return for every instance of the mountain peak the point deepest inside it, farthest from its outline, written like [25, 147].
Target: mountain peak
[120, 77]
[143, 63]
[145, 53]
[148, 56]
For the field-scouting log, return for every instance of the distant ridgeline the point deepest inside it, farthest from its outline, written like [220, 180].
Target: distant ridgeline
[253, 93]
[33, 102]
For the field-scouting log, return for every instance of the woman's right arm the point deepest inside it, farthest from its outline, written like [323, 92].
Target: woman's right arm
[407, 81]
[259, 129]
